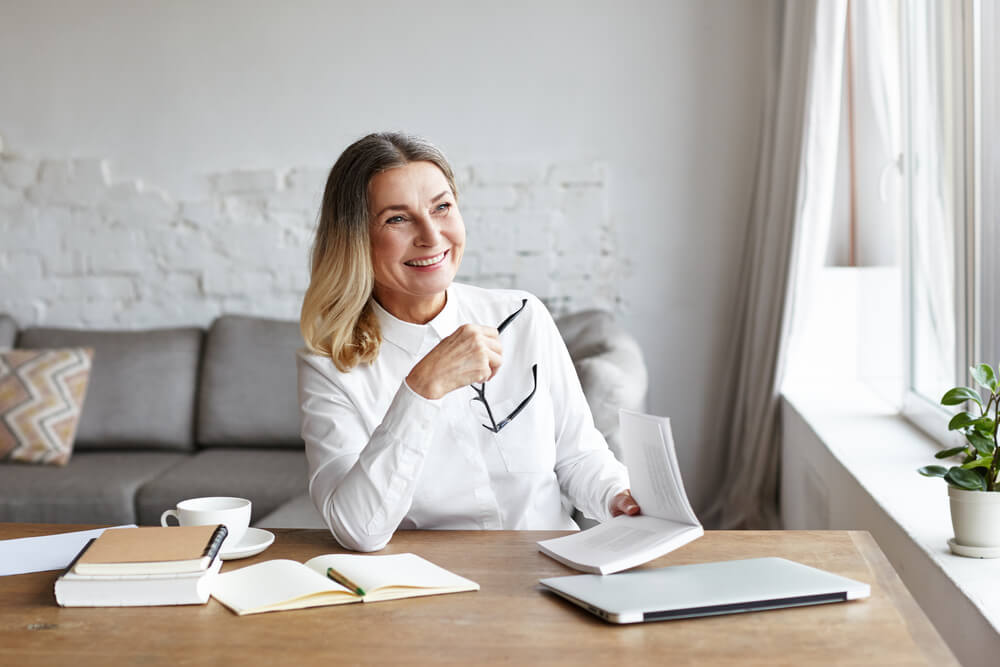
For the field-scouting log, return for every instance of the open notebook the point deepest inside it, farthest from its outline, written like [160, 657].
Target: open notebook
[277, 585]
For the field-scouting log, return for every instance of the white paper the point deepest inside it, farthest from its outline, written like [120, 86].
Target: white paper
[47, 552]
[648, 450]
[666, 521]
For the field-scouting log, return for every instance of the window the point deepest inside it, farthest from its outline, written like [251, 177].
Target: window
[986, 160]
[910, 297]
[938, 137]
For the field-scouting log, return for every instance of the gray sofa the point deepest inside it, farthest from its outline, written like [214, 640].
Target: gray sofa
[177, 413]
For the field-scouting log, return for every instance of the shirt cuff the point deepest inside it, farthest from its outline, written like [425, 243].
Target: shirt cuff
[410, 413]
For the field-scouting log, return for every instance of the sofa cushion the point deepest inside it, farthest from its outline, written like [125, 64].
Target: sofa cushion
[610, 366]
[8, 331]
[94, 487]
[249, 387]
[142, 385]
[41, 396]
[268, 477]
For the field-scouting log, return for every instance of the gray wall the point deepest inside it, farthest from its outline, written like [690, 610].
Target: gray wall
[666, 96]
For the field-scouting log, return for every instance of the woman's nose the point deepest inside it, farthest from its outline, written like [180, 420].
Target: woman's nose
[428, 231]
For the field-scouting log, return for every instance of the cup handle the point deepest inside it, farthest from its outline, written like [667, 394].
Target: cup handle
[173, 513]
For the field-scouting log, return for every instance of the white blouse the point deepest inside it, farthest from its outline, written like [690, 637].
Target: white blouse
[382, 457]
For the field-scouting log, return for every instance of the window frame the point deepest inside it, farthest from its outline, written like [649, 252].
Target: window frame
[970, 281]
[987, 243]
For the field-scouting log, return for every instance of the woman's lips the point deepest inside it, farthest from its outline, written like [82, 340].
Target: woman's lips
[427, 262]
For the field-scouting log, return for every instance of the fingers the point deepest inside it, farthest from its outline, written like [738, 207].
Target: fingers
[624, 503]
[482, 335]
[481, 346]
[472, 354]
[493, 361]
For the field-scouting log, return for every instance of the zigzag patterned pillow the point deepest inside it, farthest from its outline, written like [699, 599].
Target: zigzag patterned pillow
[41, 397]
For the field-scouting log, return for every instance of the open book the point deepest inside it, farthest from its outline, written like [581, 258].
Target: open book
[277, 585]
[667, 520]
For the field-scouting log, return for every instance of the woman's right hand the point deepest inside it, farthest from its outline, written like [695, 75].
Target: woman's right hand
[471, 354]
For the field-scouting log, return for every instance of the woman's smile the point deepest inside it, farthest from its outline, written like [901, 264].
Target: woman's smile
[427, 262]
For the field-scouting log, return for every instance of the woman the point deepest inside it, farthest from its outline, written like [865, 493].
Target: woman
[426, 403]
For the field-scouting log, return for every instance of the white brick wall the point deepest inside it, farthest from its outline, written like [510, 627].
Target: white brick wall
[80, 248]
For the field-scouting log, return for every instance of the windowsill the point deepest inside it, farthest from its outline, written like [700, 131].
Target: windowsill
[850, 462]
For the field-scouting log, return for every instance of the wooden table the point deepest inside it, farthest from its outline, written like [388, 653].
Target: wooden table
[510, 621]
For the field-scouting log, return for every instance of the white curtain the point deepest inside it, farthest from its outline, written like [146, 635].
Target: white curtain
[785, 247]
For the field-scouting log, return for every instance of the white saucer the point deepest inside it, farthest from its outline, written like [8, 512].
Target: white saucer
[973, 552]
[255, 541]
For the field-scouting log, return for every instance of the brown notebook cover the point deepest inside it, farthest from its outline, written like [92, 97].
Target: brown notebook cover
[151, 550]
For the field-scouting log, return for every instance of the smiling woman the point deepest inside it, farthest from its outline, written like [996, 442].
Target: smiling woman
[337, 315]
[417, 239]
[398, 427]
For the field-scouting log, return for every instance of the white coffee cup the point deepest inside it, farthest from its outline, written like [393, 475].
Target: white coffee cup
[233, 512]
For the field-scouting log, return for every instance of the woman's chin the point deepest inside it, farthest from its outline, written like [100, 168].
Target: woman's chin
[431, 282]
[430, 285]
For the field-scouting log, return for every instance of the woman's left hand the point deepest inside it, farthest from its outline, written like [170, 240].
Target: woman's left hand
[624, 503]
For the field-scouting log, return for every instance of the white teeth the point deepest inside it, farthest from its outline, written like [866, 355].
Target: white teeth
[426, 262]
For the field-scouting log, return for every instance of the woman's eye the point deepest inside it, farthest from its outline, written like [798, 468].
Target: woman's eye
[444, 207]
[394, 219]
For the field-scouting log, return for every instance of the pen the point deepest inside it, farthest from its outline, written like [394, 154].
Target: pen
[344, 581]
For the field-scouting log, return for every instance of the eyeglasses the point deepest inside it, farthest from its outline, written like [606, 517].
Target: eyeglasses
[481, 389]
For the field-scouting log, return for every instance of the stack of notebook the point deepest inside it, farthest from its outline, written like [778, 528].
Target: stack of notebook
[144, 566]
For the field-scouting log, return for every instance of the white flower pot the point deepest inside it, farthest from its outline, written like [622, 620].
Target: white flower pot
[975, 516]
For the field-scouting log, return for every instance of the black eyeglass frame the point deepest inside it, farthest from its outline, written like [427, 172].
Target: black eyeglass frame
[481, 389]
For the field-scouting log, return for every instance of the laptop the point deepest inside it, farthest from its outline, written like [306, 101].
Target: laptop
[704, 589]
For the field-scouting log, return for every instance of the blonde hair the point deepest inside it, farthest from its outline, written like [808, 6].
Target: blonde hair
[338, 318]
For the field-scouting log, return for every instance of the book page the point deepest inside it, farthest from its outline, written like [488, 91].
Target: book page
[666, 521]
[648, 450]
[277, 584]
[371, 573]
[621, 543]
[622, 535]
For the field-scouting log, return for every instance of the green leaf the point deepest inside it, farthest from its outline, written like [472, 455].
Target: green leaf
[982, 443]
[984, 376]
[960, 395]
[984, 462]
[961, 420]
[933, 471]
[985, 425]
[965, 479]
[947, 453]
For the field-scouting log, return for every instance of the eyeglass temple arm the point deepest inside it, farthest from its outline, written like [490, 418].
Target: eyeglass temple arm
[481, 390]
[510, 318]
[517, 410]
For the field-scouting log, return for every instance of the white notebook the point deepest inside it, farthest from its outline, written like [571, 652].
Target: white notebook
[667, 520]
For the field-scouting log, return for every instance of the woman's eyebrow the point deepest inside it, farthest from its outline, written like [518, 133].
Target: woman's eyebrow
[392, 207]
[402, 207]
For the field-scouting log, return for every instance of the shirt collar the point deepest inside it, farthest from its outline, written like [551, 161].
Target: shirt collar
[410, 336]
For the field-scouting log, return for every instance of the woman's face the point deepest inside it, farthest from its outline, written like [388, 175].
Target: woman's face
[417, 237]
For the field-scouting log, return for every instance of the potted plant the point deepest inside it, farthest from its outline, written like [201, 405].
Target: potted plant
[974, 484]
